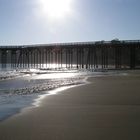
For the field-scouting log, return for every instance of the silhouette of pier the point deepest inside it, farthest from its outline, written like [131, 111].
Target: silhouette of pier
[115, 54]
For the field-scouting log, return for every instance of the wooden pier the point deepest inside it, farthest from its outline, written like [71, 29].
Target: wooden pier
[115, 54]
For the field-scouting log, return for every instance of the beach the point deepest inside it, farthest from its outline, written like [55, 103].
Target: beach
[107, 108]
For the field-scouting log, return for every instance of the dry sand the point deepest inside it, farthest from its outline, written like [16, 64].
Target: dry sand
[106, 109]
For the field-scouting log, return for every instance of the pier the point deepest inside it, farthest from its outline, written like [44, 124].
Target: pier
[115, 54]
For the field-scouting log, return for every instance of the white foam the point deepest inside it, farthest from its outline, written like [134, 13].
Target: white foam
[37, 102]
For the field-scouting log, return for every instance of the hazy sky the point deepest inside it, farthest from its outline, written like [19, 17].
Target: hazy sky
[50, 21]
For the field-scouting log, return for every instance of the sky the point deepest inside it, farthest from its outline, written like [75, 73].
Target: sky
[56, 21]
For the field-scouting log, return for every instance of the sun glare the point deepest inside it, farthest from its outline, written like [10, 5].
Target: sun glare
[55, 9]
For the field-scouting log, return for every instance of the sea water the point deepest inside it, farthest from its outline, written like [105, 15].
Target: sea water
[22, 88]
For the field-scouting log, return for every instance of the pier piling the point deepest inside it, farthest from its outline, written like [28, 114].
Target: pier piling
[89, 55]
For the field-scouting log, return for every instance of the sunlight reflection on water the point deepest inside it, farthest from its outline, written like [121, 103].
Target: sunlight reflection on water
[21, 92]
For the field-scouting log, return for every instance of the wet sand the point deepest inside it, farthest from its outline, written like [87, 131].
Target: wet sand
[106, 109]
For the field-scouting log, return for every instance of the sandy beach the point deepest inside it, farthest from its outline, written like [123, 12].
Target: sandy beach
[108, 108]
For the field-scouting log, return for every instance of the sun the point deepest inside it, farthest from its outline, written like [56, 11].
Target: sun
[55, 9]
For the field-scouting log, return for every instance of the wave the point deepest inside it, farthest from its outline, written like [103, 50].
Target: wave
[42, 85]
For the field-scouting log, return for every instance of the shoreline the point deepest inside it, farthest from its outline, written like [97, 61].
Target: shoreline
[37, 102]
[107, 108]
[19, 93]
[36, 99]
[85, 80]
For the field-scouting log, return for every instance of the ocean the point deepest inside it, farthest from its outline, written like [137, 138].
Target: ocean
[23, 88]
